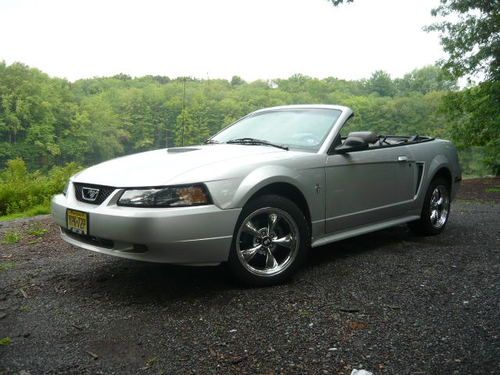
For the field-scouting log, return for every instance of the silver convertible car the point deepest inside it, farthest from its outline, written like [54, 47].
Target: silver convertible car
[261, 193]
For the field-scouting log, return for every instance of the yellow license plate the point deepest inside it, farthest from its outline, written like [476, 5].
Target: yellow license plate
[77, 221]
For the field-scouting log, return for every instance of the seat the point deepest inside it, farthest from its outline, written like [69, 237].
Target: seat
[366, 136]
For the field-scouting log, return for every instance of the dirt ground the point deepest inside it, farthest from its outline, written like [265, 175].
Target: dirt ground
[388, 302]
[480, 189]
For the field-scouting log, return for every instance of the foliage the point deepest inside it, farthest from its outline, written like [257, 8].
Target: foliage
[37, 230]
[425, 80]
[470, 35]
[32, 211]
[5, 341]
[475, 118]
[21, 190]
[49, 126]
[11, 237]
[48, 121]
[381, 83]
[4, 266]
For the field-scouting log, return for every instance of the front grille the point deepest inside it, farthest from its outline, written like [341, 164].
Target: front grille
[104, 192]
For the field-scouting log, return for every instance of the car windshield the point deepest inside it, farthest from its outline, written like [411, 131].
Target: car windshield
[304, 129]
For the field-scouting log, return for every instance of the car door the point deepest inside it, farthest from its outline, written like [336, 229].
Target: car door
[368, 186]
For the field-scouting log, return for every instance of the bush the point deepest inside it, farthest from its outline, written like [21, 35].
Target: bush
[474, 162]
[21, 190]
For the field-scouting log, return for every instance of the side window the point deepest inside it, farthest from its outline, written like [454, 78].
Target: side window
[347, 128]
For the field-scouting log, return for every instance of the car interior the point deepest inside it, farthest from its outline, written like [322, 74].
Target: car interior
[363, 140]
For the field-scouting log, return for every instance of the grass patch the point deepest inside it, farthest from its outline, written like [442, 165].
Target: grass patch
[5, 341]
[34, 211]
[11, 237]
[37, 230]
[494, 189]
[151, 361]
[4, 266]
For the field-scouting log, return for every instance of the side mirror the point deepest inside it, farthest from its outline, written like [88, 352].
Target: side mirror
[352, 143]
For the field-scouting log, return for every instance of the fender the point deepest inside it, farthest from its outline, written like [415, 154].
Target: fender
[436, 164]
[439, 161]
[263, 177]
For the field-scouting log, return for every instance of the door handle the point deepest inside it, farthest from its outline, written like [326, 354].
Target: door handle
[402, 158]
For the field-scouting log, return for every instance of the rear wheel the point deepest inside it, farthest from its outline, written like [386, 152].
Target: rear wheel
[436, 209]
[270, 241]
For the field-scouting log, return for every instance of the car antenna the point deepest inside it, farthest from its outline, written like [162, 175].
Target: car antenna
[183, 113]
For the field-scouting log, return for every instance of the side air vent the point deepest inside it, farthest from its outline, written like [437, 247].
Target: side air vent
[420, 173]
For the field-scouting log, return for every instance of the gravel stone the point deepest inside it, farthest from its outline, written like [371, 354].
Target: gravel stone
[422, 306]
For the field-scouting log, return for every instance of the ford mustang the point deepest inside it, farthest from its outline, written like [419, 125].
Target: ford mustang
[261, 193]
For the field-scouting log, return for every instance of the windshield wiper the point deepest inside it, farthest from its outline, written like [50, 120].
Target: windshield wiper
[254, 141]
[210, 141]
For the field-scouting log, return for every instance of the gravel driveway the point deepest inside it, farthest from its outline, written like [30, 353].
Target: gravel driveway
[388, 302]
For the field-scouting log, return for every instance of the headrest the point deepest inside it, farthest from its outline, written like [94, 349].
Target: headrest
[368, 137]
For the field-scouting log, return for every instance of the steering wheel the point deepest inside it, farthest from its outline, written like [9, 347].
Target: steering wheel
[308, 139]
[383, 140]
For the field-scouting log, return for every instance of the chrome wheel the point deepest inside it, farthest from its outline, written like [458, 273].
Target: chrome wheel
[439, 206]
[267, 241]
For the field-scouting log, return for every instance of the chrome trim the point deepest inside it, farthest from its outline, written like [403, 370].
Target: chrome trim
[207, 239]
[267, 241]
[90, 194]
[439, 206]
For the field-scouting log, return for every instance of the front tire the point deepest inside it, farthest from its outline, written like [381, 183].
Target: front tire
[270, 241]
[435, 211]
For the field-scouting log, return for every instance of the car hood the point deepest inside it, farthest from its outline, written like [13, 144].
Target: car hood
[180, 165]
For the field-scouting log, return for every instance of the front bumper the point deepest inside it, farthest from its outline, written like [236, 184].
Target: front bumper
[182, 235]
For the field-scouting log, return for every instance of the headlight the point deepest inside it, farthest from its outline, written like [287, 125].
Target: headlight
[171, 196]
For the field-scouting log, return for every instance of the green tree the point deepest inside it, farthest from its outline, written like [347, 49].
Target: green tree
[48, 121]
[475, 118]
[424, 80]
[104, 133]
[236, 81]
[470, 35]
[188, 131]
[381, 83]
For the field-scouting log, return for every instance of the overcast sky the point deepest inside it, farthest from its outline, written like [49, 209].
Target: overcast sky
[255, 39]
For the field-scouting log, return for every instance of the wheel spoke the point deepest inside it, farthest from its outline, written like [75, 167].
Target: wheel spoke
[272, 219]
[439, 206]
[267, 241]
[250, 228]
[270, 260]
[286, 241]
[248, 254]
[435, 196]
[434, 216]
